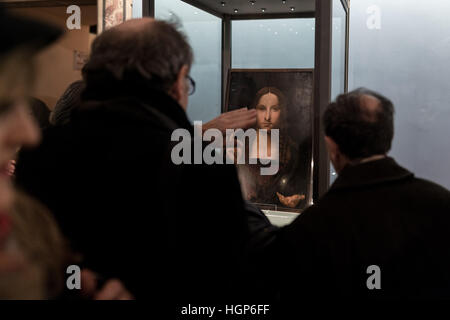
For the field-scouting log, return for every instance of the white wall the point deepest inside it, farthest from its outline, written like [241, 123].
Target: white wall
[402, 49]
[54, 66]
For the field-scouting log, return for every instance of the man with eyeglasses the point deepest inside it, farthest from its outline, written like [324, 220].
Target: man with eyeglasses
[175, 231]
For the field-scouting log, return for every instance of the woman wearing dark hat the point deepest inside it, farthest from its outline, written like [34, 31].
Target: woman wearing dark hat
[27, 247]
[20, 39]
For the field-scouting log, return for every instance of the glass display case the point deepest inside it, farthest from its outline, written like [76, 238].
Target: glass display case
[267, 39]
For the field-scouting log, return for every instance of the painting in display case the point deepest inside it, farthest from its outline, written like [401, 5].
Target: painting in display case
[283, 100]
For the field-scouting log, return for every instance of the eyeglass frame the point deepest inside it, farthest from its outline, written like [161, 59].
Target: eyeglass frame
[191, 85]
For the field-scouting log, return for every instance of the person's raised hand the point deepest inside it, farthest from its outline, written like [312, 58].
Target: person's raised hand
[236, 119]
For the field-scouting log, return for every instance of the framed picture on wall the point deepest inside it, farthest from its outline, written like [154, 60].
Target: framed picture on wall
[283, 99]
[115, 12]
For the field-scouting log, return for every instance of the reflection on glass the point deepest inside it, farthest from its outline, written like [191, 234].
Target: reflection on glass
[274, 43]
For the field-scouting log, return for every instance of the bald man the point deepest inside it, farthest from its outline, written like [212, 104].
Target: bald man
[177, 232]
[379, 232]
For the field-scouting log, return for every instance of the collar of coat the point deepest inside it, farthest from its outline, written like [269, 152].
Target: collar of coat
[371, 173]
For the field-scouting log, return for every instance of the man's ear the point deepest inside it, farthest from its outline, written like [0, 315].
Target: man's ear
[332, 147]
[338, 159]
[179, 88]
